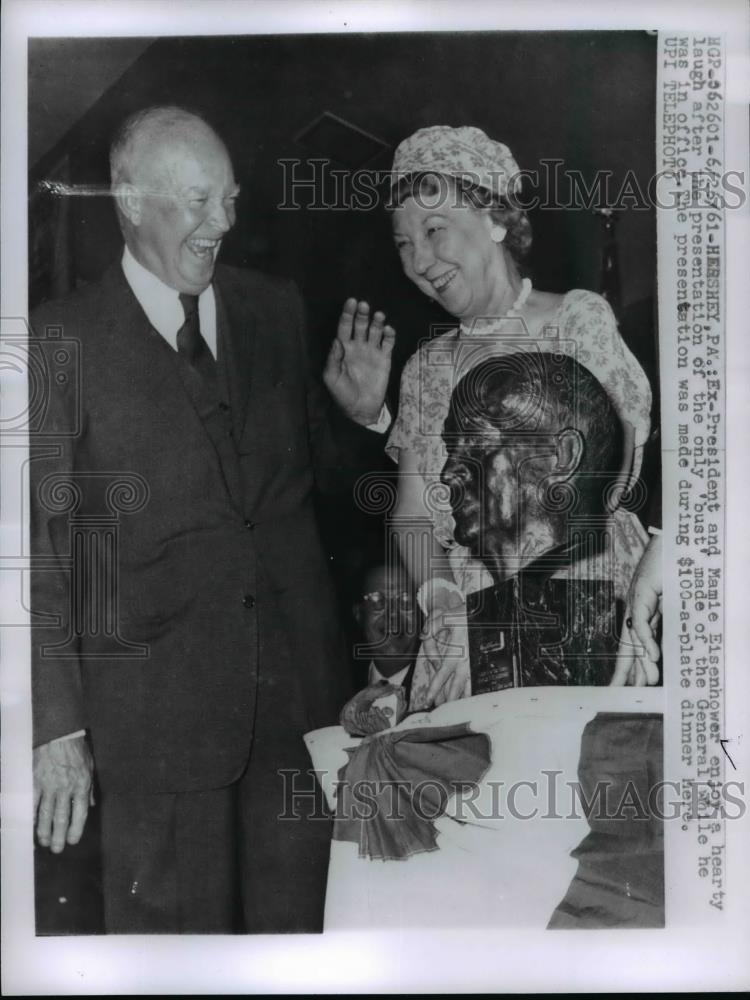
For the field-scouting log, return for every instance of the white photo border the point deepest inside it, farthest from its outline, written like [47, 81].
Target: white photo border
[700, 957]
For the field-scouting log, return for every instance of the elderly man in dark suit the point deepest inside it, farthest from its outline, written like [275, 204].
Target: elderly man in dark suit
[222, 647]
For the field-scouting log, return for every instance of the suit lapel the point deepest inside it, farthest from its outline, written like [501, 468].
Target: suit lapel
[236, 326]
[151, 359]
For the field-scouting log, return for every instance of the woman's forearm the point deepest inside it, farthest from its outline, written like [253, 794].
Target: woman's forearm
[412, 527]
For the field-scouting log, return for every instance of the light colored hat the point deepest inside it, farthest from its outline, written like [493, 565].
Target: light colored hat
[464, 152]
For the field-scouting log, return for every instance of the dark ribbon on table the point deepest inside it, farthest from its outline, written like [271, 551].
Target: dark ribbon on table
[397, 783]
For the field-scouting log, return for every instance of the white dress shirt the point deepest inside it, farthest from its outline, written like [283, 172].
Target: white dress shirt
[162, 306]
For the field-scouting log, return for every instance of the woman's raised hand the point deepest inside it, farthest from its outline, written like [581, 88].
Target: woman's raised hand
[359, 362]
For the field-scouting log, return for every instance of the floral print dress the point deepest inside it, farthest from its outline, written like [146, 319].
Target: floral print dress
[583, 328]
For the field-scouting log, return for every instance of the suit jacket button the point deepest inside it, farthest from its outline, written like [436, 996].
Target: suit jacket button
[224, 407]
[248, 601]
[249, 524]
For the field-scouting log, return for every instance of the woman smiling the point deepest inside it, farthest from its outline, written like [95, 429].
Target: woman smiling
[462, 239]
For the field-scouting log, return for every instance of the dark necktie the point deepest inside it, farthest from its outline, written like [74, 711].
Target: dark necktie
[190, 342]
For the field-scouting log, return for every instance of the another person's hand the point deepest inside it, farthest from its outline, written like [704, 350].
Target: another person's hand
[445, 645]
[639, 653]
[63, 773]
[359, 362]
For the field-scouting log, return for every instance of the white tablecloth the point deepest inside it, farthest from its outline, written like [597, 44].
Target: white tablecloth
[491, 869]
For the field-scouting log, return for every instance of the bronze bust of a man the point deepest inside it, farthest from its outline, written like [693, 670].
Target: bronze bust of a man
[534, 451]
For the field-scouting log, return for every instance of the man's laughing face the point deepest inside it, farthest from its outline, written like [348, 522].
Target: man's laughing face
[188, 194]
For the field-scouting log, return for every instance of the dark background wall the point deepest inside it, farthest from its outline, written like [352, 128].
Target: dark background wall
[584, 98]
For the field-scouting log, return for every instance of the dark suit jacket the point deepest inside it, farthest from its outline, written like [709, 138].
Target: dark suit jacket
[211, 569]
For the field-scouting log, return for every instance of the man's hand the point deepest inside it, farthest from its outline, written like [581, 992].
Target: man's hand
[638, 655]
[359, 362]
[446, 646]
[62, 791]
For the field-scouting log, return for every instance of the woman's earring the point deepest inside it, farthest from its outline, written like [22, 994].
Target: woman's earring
[497, 233]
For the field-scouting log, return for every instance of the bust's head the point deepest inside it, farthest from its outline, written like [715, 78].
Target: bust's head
[531, 438]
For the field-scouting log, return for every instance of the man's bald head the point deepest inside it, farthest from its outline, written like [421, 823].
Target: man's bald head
[141, 141]
[175, 194]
